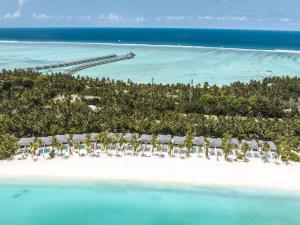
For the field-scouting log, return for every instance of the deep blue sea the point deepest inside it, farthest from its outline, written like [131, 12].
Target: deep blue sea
[249, 39]
[166, 55]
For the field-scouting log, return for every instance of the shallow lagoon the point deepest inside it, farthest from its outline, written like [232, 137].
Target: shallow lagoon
[121, 203]
[166, 64]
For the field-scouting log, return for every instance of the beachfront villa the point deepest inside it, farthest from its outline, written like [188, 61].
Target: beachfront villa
[163, 149]
[232, 155]
[215, 148]
[163, 146]
[146, 148]
[45, 145]
[179, 149]
[198, 149]
[254, 153]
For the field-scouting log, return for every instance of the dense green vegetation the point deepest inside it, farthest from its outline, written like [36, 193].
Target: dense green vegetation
[32, 104]
[39, 105]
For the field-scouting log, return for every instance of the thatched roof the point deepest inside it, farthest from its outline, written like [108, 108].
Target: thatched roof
[26, 141]
[129, 136]
[78, 138]
[177, 140]
[145, 138]
[272, 145]
[63, 139]
[46, 140]
[234, 141]
[198, 140]
[252, 144]
[163, 139]
[215, 142]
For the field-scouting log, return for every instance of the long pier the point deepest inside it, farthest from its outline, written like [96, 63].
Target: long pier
[83, 64]
[99, 62]
[72, 63]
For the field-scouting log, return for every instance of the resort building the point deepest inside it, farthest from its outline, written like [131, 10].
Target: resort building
[179, 150]
[25, 144]
[146, 147]
[162, 150]
[45, 145]
[254, 152]
[198, 149]
[215, 148]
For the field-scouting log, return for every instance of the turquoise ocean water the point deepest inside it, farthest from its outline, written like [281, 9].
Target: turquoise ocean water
[167, 55]
[116, 204]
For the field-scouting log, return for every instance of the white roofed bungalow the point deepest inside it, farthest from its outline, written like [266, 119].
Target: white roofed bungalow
[271, 155]
[215, 148]
[179, 149]
[127, 148]
[146, 147]
[24, 144]
[162, 150]
[113, 147]
[78, 141]
[232, 155]
[46, 145]
[197, 149]
[254, 152]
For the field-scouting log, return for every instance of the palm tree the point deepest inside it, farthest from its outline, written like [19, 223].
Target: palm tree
[54, 146]
[8, 145]
[226, 146]
[245, 148]
[34, 146]
[265, 147]
[122, 141]
[103, 139]
[70, 143]
[88, 142]
[188, 143]
[153, 141]
[135, 143]
[206, 144]
[170, 147]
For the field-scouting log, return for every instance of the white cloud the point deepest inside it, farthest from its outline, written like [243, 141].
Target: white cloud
[224, 18]
[18, 13]
[41, 16]
[170, 18]
[13, 15]
[22, 2]
[140, 19]
[111, 18]
[85, 18]
[286, 20]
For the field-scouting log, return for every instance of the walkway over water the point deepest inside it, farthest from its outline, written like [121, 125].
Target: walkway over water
[85, 63]
[99, 62]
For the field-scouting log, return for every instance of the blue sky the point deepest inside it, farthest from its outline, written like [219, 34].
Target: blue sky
[231, 14]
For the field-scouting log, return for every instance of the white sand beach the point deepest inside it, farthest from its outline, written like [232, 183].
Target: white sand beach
[190, 171]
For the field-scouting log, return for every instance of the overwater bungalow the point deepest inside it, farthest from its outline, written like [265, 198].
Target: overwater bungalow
[146, 147]
[179, 150]
[198, 149]
[215, 148]
[162, 150]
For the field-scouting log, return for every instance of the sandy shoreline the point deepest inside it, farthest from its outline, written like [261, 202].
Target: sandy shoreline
[199, 172]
